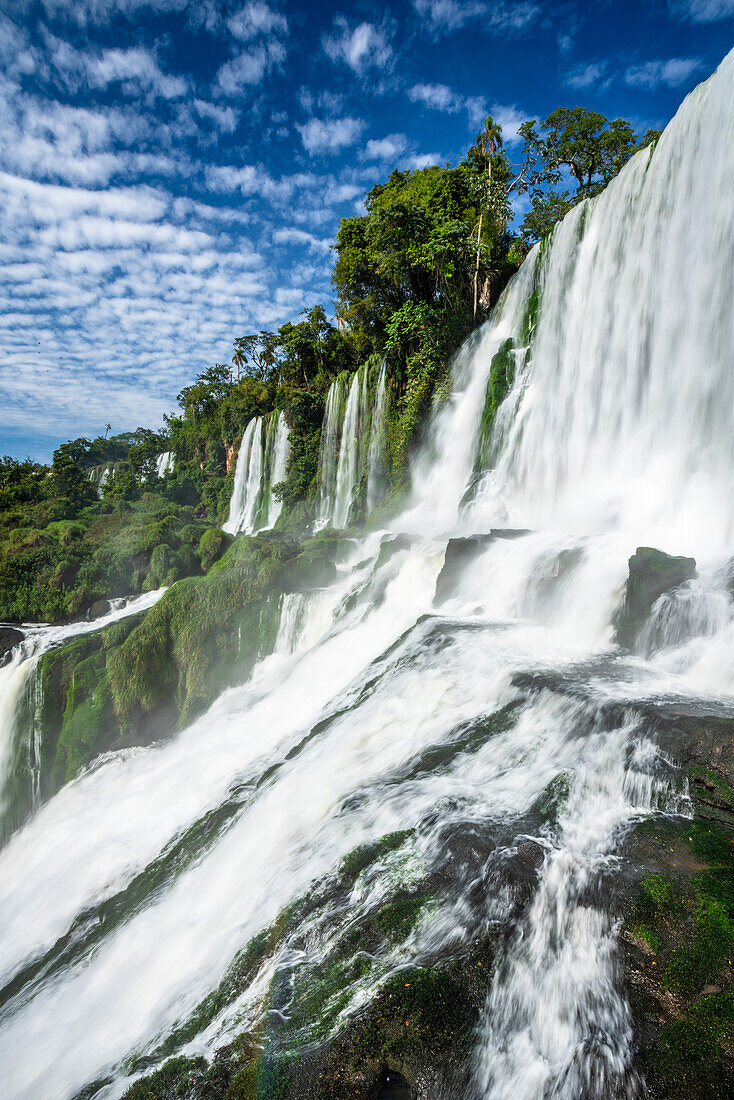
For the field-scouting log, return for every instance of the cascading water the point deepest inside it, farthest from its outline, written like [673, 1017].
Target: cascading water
[501, 729]
[376, 475]
[329, 450]
[352, 448]
[19, 751]
[164, 464]
[348, 466]
[247, 489]
[278, 451]
[261, 464]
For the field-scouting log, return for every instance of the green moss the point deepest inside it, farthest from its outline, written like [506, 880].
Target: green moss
[651, 574]
[709, 778]
[396, 919]
[173, 1081]
[690, 1056]
[360, 858]
[183, 653]
[501, 377]
[554, 798]
[645, 933]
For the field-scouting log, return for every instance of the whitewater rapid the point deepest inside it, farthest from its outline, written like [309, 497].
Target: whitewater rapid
[618, 431]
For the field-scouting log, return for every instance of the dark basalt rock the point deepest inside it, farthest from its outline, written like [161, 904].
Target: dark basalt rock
[98, 610]
[392, 1086]
[461, 552]
[651, 573]
[9, 638]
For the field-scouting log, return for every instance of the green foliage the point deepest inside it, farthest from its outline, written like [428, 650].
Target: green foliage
[575, 142]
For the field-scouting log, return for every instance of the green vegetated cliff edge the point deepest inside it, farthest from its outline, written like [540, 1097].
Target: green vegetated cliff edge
[413, 276]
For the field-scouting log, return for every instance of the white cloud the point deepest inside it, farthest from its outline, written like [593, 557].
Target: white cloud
[360, 47]
[330, 135]
[510, 119]
[135, 67]
[227, 178]
[673, 71]
[224, 119]
[444, 16]
[387, 148]
[423, 160]
[250, 66]
[290, 235]
[440, 97]
[255, 19]
[704, 11]
[585, 75]
[437, 96]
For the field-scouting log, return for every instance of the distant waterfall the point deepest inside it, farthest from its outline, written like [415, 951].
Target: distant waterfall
[347, 470]
[261, 463]
[352, 447]
[376, 473]
[278, 451]
[164, 464]
[329, 450]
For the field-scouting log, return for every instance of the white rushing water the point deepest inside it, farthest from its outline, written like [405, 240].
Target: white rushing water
[376, 475]
[329, 449]
[352, 448]
[261, 464]
[164, 463]
[279, 445]
[378, 711]
[17, 674]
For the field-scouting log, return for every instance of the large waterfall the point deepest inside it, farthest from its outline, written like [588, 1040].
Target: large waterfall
[460, 732]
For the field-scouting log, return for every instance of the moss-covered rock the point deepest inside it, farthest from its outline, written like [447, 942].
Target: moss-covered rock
[651, 574]
[678, 937]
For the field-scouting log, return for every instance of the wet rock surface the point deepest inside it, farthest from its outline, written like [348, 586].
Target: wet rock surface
[677, 907]
[651, 574]
[9, 638]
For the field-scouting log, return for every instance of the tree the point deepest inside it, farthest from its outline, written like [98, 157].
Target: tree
[487, 145]
[580, 143]
[255, 351]
[209, 389]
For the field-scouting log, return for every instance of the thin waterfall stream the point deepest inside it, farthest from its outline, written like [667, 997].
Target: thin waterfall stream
[436, 765]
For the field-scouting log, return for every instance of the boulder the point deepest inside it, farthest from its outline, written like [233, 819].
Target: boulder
[9, 638]
[651, 573]
[461, 552]
[98, 610]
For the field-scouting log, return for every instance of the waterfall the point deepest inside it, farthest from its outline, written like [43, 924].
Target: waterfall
[278, 451]
[261, 463]
[348, 466]
[164, 463]
[20, 749]
[376, 474]
[352, 448]
[247, 490]
[329, 450]
[483, 759]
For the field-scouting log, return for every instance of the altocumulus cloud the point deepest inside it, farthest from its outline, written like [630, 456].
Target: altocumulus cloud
[673, 72]
[172, 172]
[330, 135]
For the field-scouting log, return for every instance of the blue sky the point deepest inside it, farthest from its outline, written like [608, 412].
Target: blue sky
[172, 172]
